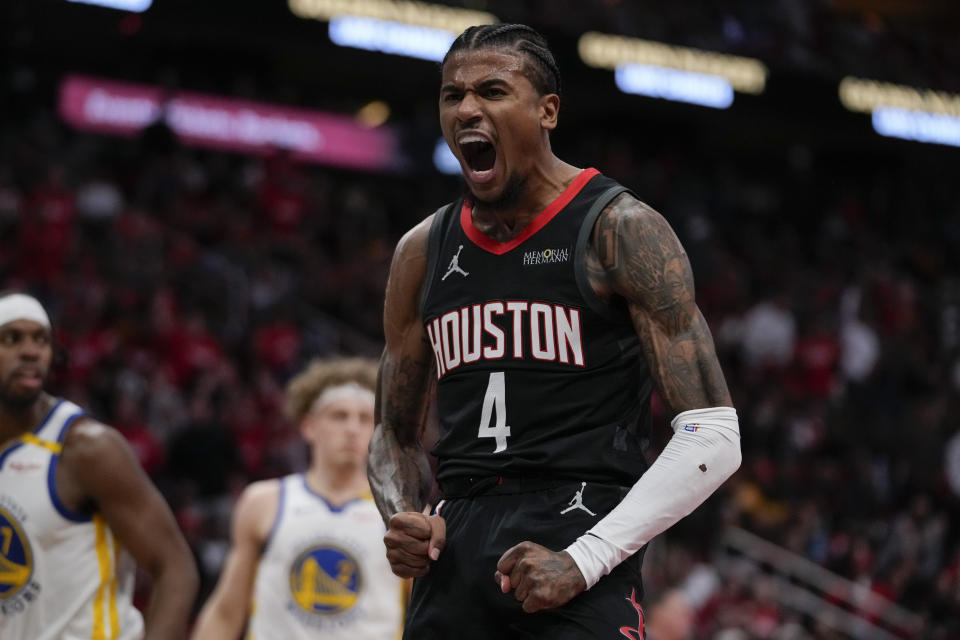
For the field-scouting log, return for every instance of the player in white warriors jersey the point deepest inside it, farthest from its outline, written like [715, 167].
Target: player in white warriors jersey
[76, 510]
[306, 558]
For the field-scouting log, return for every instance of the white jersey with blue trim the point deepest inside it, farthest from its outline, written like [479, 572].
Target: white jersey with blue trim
[324, 571]
[63, 575]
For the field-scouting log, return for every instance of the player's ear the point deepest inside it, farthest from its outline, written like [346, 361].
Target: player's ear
[549, 111]
[306, 428]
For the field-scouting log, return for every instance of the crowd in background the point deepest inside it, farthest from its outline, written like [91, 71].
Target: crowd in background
[187, 286]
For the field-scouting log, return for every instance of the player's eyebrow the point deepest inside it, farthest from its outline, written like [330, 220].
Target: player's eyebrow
[486, 84]
[492, 82]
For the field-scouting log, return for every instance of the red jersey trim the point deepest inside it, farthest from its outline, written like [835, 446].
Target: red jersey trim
[487, 243]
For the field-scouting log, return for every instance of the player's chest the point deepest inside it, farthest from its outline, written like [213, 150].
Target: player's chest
[26, 497]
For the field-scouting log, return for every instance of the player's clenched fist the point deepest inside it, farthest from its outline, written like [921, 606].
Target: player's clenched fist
[540, 578]
[414, 541]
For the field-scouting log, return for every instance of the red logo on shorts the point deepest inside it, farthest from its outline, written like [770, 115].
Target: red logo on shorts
[628, 632]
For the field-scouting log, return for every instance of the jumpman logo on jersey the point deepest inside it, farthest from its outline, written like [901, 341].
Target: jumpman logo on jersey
[455, 265]
[576, 502]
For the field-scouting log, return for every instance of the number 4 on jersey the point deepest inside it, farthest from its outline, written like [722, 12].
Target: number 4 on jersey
[495, 401]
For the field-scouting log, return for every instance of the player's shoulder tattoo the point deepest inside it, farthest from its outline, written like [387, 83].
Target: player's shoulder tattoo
[645, 263]
[641, 255]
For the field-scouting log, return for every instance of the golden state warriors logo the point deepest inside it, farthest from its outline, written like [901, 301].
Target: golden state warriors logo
[16, 559]
[325, 580]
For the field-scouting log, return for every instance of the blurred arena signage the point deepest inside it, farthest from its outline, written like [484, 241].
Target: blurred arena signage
[401, 27]
[137, 6]
[124, 109]
[900, 111]
[672, 72]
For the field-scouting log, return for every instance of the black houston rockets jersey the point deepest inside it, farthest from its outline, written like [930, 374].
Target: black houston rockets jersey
[537, 376]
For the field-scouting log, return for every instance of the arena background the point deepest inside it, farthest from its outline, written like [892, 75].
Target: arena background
[192, 266]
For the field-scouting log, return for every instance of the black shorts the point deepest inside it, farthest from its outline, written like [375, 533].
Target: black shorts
[460, 600]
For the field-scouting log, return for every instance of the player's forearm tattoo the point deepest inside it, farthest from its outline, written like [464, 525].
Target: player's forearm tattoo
[642, 260]
[397, 467]
[404, 395]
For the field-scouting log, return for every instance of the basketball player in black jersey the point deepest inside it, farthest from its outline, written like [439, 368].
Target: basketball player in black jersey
[545, 304]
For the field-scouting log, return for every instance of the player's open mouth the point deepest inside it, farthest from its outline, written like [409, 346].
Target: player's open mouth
[28, 377]
[479, 155]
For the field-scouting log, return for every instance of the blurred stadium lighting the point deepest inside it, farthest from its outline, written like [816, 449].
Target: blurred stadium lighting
[858, 94]
[400, 27]
[397, 38]
[604, 51]
[137, 6]
[920, 126]
[373, 114]
[444, 160]
[905, 112]
[670, 84]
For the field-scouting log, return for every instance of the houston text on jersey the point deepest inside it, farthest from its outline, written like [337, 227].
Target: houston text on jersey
[500, 329]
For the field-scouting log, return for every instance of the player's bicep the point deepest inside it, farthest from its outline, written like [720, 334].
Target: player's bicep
[103, 465]
[406, 365]
[647, 266]
[401, 309]
[645, 262]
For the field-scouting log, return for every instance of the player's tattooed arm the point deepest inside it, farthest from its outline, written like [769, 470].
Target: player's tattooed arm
[397, 467]
[636, 255]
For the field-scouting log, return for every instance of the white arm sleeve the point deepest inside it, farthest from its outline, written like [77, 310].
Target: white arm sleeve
[702, 453]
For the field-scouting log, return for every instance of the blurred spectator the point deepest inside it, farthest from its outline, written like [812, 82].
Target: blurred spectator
[669, 617]
[859, 345]
[769, 335]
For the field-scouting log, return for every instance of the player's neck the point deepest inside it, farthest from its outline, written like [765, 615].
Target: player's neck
[541, 186]
[15, 420]
[338, 485]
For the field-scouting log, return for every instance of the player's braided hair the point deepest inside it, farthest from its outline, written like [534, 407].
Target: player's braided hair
[542, 70]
